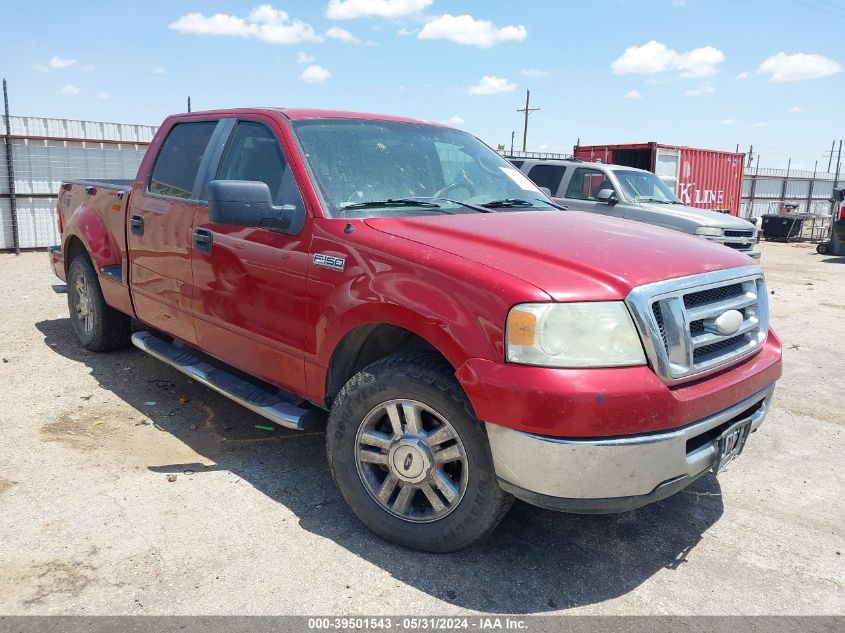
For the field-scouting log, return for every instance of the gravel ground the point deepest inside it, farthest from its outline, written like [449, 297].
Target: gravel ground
[252, 524]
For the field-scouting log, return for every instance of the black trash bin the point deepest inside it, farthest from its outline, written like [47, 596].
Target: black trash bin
[782, 228]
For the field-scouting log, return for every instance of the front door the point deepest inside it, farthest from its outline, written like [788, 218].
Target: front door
[249, 283]
[581, 192]
[159, 233]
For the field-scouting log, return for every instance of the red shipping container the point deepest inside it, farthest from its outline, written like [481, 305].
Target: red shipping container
[703, 178]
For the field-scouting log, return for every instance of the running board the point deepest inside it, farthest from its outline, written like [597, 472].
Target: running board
[261, 401]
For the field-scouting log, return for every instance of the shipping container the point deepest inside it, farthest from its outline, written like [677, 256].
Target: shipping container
[47, 151]
[703, 178]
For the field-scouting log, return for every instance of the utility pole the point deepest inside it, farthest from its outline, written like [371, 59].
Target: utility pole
[513, 134]
[189, 104]
[830, 156]
[10, 171]
[838, 165]
[527, 111]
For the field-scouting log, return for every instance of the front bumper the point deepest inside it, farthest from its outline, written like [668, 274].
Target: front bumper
[599, 475]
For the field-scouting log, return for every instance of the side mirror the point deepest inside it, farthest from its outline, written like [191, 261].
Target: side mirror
[607, 195]
[247, 203]
[546, 191]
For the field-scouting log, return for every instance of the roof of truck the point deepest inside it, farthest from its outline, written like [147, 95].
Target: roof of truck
[313, 113]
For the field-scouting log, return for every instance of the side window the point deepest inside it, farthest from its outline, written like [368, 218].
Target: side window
[179, 159]
[253, 153]
[547, 176]
[517, 163]
[586, 183]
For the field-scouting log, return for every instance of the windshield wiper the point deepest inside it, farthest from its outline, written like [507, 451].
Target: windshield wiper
[517, 203]
[507, 203]
[391, 202]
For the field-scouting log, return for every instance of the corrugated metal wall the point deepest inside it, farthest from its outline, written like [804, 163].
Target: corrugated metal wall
[765, 191]
[48, 151]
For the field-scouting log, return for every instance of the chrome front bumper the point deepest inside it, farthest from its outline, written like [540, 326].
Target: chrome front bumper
[614, 474]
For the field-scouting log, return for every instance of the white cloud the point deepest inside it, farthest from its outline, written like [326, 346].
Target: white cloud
[727, 122]
[798, 67]
[533, 72]
[633, 94]
[58, 62]
[743, 76]
[351, 9]
[55, 63]
[655, 57]
[265, 23]
[453, 120]
[465, 29]
[702, 89]
[159, 70]
[304, 58]
[760, 124]
[70, 90]
[795, 109]
[342, 35]
[103, 96]
[491, 85]
[315, 74]
[406, 31]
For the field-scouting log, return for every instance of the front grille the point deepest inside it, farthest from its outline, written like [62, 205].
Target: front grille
[712, 295]
[741, 233]
[678, 320]
[738, 246]
[717, 348]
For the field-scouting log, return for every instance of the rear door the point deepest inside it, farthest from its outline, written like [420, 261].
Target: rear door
[581, 190]
[161, 215]
[249, 282]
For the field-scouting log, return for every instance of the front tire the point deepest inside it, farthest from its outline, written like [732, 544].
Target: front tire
[410, 457]
[822, 248]
[97, 325]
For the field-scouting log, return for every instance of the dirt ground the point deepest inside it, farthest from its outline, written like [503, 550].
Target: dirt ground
[92, 523]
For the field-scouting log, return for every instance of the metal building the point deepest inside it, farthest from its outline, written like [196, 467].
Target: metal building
[47, 151]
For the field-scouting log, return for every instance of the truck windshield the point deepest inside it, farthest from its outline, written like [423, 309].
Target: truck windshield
[642, 186]
[384, 168]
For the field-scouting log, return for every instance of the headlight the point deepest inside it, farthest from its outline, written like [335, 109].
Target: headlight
[709, 231]
[595, 334]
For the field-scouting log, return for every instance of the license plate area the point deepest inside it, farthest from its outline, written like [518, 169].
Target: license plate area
[730, 444]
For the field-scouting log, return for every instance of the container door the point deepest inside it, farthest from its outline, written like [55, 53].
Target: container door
[667, 167]
[159, 233]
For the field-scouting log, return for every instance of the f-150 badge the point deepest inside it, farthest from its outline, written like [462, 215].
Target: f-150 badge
[329, 261]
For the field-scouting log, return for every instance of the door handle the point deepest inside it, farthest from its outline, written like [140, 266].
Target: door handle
[203, 240]
[136, 223]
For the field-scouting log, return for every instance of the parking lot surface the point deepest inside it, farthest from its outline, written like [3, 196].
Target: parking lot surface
[127, 489]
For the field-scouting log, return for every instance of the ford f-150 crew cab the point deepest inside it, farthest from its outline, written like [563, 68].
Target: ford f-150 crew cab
[470, 341]
[635, 194]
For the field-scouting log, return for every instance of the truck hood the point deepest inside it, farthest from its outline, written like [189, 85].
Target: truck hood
[569, 255]
[703, 217]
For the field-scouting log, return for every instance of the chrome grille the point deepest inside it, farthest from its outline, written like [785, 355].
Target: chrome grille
[677, 321]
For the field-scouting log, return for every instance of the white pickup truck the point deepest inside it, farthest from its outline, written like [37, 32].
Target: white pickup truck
[634, 194]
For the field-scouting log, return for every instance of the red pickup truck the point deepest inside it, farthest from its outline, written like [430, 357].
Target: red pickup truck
[471, 341]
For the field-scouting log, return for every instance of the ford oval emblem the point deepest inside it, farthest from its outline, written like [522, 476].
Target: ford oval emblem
[729, 322]
[409, 459]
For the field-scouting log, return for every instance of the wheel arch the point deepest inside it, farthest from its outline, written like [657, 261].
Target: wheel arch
[368, 343]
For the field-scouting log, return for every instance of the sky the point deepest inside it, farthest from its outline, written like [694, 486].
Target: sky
[705, 73]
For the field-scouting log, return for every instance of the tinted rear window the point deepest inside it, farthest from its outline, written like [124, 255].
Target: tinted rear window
[179, 159]
[548, 176]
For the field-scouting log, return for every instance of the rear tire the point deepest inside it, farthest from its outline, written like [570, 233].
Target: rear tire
[97, 325]
[822, 248]
[410, 457]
